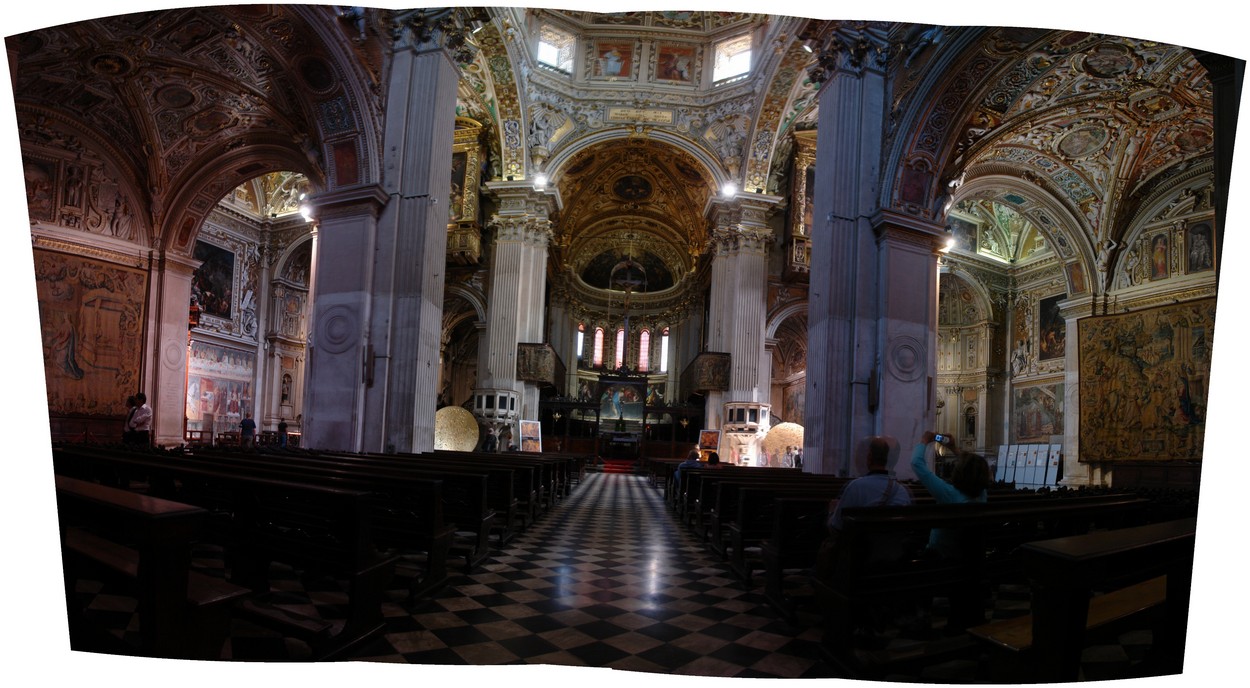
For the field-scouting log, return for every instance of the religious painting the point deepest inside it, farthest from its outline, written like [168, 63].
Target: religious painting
[1144, 379]
[1159, 257]
[655, 394]
[531, 436]
[91, 315]
[675, 63]
[622, 401]
[212, 284]
[1076, 278]
[708, 372]
[1051, 328]
[41, 185]
[1199, 247]
[219, 386]
[459, 163]
[587, 390]
[709, 440]
[794, 399]
[613, 59]
[965, 234]
[1036, 412]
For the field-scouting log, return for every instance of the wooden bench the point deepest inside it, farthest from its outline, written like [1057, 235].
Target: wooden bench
[315, 529]
[465, 492]
[1156, 560]
[860, 579]
[146, 543]
[721, 508]
[407, 510]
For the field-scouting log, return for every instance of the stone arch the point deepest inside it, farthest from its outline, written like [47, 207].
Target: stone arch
[711, 165]
[1062, 228]
[199, 194]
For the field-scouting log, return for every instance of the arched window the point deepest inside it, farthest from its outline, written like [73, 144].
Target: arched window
[598, 346]
[620, 347]
[581, 339]
[664, 351]
[644, 351]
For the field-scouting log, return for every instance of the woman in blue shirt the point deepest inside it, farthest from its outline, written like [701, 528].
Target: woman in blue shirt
[969, 482]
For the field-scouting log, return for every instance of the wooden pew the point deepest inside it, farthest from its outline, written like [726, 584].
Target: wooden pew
[313, 528]
[408, 509]
[146, 542]
[470, 494]
[857, 581]
[1154, 560]
[721, 509]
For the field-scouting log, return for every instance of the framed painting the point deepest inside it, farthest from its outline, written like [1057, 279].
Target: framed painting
[613, 59]
[621, 400]
[212, 284]
[531, 436]
[42, 177]
[709, 440]
[1051, 328]
[1199, 247]
[1076, 278]
[1036, 413]
[965, 234]
[675, 63]
[1159, 254]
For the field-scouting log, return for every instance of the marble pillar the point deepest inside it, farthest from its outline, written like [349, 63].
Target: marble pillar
[380, 270]
[842, 303]
[737, 320]
[516, 299]
[167, 377]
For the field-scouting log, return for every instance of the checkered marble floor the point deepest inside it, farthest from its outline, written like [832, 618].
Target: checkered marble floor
[607, 578]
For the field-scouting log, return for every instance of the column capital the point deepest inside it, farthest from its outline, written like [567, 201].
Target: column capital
[893, 227]
[432, 29]
[349, 201]
[521, 198]
[851, 48]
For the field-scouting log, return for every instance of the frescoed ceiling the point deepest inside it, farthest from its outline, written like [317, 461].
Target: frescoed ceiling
[1076, 130]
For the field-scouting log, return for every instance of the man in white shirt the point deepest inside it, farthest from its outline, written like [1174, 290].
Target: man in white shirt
[140, 423]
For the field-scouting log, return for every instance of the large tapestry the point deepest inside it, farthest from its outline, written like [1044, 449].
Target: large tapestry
[91, 316]
[1144, 383]
[219, 384]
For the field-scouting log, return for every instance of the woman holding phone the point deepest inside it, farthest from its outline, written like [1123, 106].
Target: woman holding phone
[969, 481]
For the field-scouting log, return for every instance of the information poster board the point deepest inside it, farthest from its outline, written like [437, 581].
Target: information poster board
[531, 436]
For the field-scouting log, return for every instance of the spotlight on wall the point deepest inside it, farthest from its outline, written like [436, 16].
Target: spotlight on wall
[307, 211]
[729, 189]
[540, 182]
[950, 243]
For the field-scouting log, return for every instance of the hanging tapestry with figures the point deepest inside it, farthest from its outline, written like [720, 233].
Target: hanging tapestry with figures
[1144, 379]
[91, 315]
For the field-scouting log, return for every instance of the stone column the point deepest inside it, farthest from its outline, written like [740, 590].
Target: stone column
[898, 382]
[1075, 473]
[338, 351]
[843, 302]
[737, 318]
[167, 382]
[515, 304]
